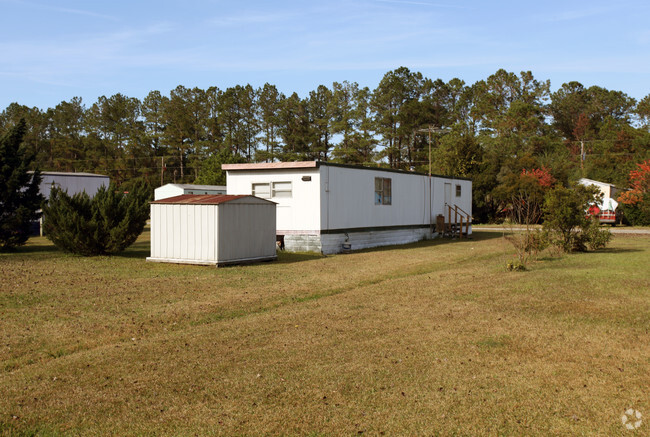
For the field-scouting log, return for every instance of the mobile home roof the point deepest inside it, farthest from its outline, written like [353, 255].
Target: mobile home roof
[316, 164]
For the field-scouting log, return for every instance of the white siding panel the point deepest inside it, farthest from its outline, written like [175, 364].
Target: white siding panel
[175, 230]
[349, 199]
[155, 246]
[213, 228]
[205, 245]
[246, 231]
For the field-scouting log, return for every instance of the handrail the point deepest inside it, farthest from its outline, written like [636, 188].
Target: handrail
[468, 218]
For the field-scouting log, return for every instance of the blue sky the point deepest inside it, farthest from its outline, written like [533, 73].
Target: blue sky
[53, 50]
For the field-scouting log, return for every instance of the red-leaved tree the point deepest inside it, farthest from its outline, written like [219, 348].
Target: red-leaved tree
[636, 201]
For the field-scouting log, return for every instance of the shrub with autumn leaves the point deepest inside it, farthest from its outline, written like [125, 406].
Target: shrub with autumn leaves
[635, 202]
[522, 194]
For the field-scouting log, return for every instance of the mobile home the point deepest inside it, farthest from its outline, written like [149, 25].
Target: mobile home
[171, 190]
[322, 206]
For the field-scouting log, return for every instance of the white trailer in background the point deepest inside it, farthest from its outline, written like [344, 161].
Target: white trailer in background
[322, 206]
[212, 230]
[606, 209]
[171, 190]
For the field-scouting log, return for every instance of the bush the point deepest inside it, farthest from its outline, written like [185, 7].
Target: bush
[20, 196]
[567, 223]
[106, 224]
[637, 214]
[528, 245]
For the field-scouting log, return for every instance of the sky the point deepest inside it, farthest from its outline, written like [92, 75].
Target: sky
[54, 50]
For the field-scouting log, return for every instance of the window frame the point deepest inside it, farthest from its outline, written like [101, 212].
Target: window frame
[383, 191]
[459, 190]
[272, 190]
[268, 192]
[275, 190]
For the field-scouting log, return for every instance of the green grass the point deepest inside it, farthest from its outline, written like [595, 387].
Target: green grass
[434, 338]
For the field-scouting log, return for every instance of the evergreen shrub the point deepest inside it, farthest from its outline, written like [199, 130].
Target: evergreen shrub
[105, 224]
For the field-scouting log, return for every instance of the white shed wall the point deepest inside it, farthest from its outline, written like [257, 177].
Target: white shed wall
[184, 232]
[298, 214]
[246, 231]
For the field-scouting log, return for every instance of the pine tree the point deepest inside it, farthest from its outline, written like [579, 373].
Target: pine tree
[20, 197]
[106, 224]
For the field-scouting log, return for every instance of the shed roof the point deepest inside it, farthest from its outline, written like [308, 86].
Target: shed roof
[205, 199]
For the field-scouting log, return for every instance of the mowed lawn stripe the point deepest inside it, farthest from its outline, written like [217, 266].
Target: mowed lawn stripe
[425, 340]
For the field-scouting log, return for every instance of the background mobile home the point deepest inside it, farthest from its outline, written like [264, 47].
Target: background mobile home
[72, 183]
[171, 190]
[606, 209]
[323, 205]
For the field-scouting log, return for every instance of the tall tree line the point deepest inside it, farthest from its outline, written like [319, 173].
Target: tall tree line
[497, 127]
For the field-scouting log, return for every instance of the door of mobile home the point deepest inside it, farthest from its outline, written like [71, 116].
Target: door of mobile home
[447, 202]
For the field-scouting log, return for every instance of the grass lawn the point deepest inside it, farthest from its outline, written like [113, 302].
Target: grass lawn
[434, 338]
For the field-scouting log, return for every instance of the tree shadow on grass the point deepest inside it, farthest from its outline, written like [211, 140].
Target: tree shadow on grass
[441, 241]
[139, 249]
[34, 245]
[295, 257]
[616, 250]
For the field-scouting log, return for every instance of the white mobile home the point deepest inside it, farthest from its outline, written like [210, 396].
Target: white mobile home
[171, 190]
[323, 205]
[212, 230]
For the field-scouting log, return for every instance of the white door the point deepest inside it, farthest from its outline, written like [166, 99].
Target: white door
[447, 202]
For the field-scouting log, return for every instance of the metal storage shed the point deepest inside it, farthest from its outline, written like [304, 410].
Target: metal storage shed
[212, 229]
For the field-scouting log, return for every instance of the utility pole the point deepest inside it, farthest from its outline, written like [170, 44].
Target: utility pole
[430, 129]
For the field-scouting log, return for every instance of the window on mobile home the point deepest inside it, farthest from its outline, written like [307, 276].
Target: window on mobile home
[383, 191]
[281, 189]
[458, 190]
[273, 189]
[261, 190]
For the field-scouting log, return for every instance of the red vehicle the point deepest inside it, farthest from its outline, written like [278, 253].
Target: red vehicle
[604, 216]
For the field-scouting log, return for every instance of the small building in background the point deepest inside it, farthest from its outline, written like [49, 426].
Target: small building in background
[72, 183]
[212, 229]
[609, 191]
[606, 210]
[331, 208]
[171, 190]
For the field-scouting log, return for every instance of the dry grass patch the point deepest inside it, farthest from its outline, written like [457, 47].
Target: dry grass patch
[428, 339]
